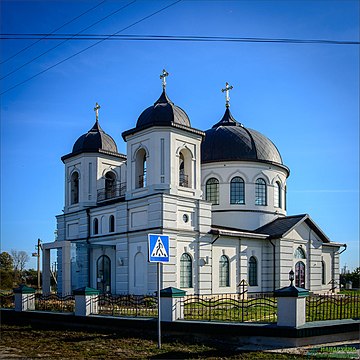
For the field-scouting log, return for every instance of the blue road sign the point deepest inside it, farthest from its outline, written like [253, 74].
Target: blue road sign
[158, 248]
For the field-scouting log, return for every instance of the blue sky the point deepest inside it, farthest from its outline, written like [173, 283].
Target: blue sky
[304, 97]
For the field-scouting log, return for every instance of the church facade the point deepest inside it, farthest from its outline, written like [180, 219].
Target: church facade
[220, 196]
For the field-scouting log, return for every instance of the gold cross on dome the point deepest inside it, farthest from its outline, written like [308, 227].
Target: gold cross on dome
[227, 96]
[96, 109]
[163, 78]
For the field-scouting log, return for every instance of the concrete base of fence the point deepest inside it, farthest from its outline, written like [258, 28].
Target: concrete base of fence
[86, 301]
[24, 298]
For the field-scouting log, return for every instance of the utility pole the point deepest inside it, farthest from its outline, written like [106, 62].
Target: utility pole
[38, 247]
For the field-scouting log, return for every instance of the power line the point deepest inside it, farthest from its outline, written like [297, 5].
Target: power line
[46, 35]
[47, 51]
[89, 47]
[93, 37]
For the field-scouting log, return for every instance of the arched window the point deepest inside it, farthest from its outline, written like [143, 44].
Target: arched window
[111, 223]
[103, 274]
[110, 185]
[299, 253]
[300, 274]
[212, 191]
[323, 273]
[186, 271]
[285, 196]
[237, 191]
[260, 192]
[74, 187]
[140, 169]
[96, 226]
[253, 272]
[277, 195]
[224, 271]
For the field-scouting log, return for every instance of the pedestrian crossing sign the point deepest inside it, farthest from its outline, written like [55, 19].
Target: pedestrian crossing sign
[158, 248]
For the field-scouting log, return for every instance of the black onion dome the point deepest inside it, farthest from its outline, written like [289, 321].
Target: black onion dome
[228, 140]
[163, 113]
[94, 140]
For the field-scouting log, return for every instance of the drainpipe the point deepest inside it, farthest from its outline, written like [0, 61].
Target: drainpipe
[88, 244]
[274, 278]
[333, 265]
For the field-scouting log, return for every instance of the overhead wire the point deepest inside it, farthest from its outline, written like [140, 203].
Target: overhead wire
[91, 46]
[175, 38]
[52, 32]
[56, 46]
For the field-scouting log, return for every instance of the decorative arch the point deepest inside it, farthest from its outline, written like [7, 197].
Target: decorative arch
[110, 184]
[185, 167]
[224, 271]
[186, 271]
[238, 173]
[299, 253]
[96, 226]
[111, 223]
[253, 271]
[74, 187]
[103, 274]
[141, 156]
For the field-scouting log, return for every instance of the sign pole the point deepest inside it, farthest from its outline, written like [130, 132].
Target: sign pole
[159, 311]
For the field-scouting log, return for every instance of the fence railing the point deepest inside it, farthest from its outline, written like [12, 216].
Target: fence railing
[7, 300]
[127, 305]
[230, 307]
[332, 307]
[111, 192]
[54, 302]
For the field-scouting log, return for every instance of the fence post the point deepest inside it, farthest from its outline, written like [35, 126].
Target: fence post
[172, 300]
[24, 298]
[86, 301]
[291, 310]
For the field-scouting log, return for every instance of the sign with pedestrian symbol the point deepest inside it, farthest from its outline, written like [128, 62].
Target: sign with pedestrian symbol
[158, 248]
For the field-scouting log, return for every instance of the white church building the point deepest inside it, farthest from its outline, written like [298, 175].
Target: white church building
[219, 194]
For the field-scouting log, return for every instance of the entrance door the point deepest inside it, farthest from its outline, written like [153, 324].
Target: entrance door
[300, 274]
[103, 274]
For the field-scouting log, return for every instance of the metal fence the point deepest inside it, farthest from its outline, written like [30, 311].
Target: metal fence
[54, 302]
[127, 305]
[7, 300]
[230, 307]
[332, 307]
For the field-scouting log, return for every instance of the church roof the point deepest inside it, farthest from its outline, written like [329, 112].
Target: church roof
[228, 140]
[163, 113]
[94, 141]
[282, 226]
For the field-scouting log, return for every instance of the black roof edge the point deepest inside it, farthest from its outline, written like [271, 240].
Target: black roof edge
[182, 127]
[99, 151]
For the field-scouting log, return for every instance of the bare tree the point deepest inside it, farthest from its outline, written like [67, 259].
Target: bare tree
[20, 258]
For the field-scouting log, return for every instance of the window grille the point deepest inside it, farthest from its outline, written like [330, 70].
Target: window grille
[260, 192]
[186, 271]
[212, 191]
[237, 191]
[224, 271]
